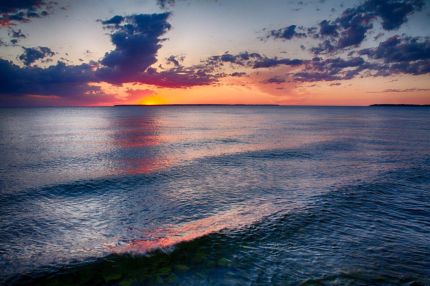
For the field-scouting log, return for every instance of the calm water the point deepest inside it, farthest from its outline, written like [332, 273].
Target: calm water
[215, 196]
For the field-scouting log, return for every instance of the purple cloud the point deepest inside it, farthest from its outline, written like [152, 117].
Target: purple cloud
[286, 33]
[352, 26]
[137, 39]
[31, 55]
[15, 11]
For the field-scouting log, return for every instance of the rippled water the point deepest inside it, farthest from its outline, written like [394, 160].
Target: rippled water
[215, 195]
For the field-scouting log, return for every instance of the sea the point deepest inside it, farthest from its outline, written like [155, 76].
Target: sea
[215, 195]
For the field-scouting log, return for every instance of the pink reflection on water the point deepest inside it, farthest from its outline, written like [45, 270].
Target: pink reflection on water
[169, 236]
[155, 138]
[138, 137]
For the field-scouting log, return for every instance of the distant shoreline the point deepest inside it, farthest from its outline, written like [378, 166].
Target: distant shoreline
[399, 105]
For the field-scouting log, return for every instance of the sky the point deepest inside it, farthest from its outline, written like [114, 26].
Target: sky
[302, 52]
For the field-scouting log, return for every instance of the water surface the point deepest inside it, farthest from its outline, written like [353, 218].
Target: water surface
[215, 195]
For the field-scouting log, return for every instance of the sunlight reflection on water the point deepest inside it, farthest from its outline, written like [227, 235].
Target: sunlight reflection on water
[298, 192]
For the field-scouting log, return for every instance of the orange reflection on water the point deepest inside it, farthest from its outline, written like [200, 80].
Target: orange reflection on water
[166, 237]
[139, 138]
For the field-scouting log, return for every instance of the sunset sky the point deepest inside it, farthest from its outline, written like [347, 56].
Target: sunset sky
[319, 52]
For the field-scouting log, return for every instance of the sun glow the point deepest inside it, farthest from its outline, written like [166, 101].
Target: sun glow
[152, 100]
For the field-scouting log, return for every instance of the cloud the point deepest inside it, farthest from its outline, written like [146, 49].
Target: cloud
[272, 62]
[59, 79]
[414, 68]
[241, 59]
[351, 27]
[396, 55]
[393, 13]
[115, 20]
[179, 77]
[395, 90]
[327, 69]
[333, 69]
[164, 3]
[252, 60]
[31, 55]
[410, 55]
[137, 39]
[355, 22]
[286, 33]
[12, 12]
[398, 49]
[354, 26]
[275, 80]
[238, 74]
[175, 60]
[18, 34]
[328, 28]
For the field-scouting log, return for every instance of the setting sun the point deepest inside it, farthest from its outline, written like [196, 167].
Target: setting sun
[151, 100]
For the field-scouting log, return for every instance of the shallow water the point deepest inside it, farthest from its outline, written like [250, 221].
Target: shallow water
[215, 195]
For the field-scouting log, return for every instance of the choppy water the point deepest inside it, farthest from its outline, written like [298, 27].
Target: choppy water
[215, 195]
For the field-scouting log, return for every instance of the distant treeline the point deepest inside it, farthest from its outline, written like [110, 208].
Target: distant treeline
[402, 105]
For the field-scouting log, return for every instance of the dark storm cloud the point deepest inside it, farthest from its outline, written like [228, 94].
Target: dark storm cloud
[31, 55]
[15, 11]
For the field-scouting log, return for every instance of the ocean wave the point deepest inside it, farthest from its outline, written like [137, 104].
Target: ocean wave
[243, 245]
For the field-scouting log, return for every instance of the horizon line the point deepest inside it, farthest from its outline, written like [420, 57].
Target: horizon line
[221, 104]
